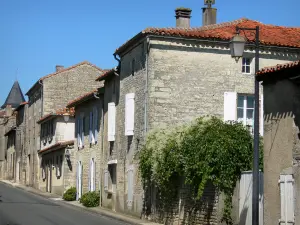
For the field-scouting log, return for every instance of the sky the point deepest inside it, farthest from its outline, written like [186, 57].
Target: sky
[36, 35]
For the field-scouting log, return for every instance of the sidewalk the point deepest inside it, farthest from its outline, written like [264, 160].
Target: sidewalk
[97, 210]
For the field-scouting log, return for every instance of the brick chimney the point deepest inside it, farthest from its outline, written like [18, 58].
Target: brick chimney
[59, 68]
[183, 17]
[209, 14]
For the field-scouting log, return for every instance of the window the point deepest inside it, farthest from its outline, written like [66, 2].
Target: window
[246, 65]
[79, 141]
[91, 128]
[245, 110]
[96, 125]
[132, 67]
[82, 126]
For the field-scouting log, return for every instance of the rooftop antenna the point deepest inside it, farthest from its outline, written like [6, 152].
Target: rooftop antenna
[209, 3]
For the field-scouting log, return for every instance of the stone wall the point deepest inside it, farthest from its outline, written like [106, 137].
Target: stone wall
[90, 150]
[185, 80]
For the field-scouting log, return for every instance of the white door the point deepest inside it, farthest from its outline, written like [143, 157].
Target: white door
[79, 180]
[245, 201]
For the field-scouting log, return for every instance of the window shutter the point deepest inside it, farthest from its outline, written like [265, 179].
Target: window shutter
[130, 186]
[43, 173]
[89, 175]
[78, 132]
[287, 199]
[261, 125]
[129, 114]
[91, 128]
[94, 175]
[82, 132]
[111, 121]
[230, 106]
[96, 124]
[106, 180]
[58, 170]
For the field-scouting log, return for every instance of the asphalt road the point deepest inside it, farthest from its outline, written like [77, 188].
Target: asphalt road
[18, 207]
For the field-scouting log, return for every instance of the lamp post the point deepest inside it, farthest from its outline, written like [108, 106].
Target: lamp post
[237, 46]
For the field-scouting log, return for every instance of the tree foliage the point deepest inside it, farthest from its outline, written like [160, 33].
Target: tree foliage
[208, 150]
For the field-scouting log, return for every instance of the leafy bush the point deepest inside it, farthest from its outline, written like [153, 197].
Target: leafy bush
[208, 150]
[90, 199]
[70, 194]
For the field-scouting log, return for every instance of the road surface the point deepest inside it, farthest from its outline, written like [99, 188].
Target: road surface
[18, 207]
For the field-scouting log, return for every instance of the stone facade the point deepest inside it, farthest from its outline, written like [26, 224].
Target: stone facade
[44, 97]
[89, 142]
[56, 172]
[176, 82]
[281, 144]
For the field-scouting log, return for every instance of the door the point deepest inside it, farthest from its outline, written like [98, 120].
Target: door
[79, 180]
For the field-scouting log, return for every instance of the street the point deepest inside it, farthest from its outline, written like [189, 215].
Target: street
[18, 207]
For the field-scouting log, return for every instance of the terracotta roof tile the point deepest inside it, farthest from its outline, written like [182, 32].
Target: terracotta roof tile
[57, 146]
[269, 34]
[105, 75]
[82, 98]
[59, 112]
[64, 70]
[268, 71]
[20, 106]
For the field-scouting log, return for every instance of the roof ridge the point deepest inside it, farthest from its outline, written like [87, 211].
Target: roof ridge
[69, 68]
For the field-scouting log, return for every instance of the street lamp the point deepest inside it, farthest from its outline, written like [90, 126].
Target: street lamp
[237, 45]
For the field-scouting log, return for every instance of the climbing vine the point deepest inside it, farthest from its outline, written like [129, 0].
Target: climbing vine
[208, 150]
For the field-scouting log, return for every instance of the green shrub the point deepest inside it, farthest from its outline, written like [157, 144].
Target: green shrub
[90, 199]
[70, 194]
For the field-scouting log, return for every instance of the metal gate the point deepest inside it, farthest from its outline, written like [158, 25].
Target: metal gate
[245, 200]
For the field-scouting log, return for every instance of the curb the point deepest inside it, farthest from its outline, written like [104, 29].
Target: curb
[100, 211]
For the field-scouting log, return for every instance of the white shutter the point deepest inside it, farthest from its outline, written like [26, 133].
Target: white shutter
[287, 199]
[43, 173]
[105, 180]
[91, 128]
[129, 114]
[130, 186]
[96, 124]
[58, 170]
[230, 106]
[261, 125]
[92, 175]
[111, 121]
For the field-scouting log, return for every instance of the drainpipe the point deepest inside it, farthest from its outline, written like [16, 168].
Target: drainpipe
[146, 87]
[42, 110]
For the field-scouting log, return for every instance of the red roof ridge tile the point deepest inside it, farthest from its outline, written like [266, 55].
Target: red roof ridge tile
[80, 98]
[271, 69]
[106, 74]
[58, 112]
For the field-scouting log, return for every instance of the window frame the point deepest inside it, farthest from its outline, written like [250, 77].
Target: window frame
[245, 109]
[245, 65]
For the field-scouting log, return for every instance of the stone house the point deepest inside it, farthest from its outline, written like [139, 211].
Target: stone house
[50, 92]
[112, 168]
[20, 142]
[89, 140]
[57, 151]
[281, 143]
[7, 123]
[10, 154]
[170, 76]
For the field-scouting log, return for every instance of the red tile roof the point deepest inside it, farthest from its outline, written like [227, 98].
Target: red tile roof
[64, 70]
[105, 75]
[82, 98]
[57, 146]
[270, 35]
[59, 112]
[268, 71]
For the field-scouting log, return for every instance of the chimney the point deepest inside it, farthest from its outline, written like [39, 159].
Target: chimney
[183, 17]
[59, 68]
[8, 111]
[209, 14]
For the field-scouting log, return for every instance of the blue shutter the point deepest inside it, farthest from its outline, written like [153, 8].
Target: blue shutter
[78, 132]
[96, 125]
[82, 131]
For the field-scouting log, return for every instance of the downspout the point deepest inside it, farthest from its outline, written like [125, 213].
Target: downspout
[42, 110]
[146, 87]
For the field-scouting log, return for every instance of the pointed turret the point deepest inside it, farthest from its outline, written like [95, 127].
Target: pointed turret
[15, 96]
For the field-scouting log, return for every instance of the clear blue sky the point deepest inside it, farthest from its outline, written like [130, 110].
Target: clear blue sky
[36, 35]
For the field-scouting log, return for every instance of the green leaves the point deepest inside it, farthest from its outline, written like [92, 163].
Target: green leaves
[208, 150]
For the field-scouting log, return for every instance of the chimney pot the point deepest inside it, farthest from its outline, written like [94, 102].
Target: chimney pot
[209, 16]
[59, 68]
[183, 17]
